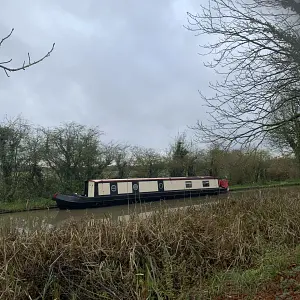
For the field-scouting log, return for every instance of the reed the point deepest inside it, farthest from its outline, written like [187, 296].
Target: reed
[201, 252]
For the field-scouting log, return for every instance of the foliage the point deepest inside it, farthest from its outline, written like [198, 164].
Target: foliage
[36, 162]
[72, 152]
[147, 162]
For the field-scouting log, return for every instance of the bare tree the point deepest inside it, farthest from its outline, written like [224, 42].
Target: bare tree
[147, 162]
[256, 51]
[106, 155]
[178, 156]
[184, 158]
[216, 158]
[35, 182]
[14, 135]
[4, 65]
[123, 159]
[72, 152]
[286, 139]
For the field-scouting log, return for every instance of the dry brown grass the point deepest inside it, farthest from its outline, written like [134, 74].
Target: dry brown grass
[170, 255]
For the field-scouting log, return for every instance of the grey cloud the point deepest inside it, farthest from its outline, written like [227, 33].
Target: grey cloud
[128, 67]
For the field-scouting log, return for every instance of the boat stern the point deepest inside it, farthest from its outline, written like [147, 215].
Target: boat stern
[224, 185]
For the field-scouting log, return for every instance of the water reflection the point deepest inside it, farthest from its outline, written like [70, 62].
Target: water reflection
[47, 219]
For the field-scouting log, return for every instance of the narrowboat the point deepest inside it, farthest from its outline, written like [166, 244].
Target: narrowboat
[108, 192]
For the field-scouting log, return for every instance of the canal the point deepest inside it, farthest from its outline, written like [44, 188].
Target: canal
[50, 218]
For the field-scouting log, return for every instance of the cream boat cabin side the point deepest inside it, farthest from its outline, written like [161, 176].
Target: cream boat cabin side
[107, 192]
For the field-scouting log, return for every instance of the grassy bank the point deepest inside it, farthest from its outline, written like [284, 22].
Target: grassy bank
[23, 205]
[294, 182]
[235, 247]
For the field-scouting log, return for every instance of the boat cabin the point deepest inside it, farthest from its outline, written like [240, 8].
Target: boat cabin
[110, 187]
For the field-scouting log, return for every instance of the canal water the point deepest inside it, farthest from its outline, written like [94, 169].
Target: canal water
[50, 218]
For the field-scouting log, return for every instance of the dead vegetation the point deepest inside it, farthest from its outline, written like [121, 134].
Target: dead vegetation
[170, 255]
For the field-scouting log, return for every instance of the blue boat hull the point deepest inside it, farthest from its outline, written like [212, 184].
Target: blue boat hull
[82, 202]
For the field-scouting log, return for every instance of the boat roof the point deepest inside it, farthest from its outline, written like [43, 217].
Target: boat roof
[155, 178]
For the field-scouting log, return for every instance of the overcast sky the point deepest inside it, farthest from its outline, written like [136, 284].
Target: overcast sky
[127, 66]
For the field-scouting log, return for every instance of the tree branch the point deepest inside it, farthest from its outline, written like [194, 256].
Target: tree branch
[257, 54]
[6, 69]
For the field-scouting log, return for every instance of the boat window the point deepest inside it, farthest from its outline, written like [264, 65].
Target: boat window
[205, 183]
[188, 184]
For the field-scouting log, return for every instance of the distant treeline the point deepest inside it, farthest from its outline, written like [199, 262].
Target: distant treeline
[37, 161]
